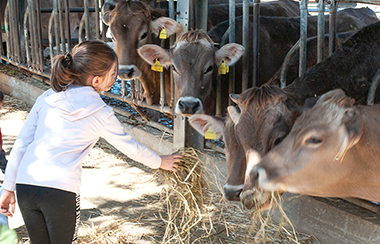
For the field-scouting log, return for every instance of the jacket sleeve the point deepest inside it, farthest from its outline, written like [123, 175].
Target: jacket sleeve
[113, 132]
[23, 140]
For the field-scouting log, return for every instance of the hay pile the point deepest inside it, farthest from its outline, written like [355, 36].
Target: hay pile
[195, 213]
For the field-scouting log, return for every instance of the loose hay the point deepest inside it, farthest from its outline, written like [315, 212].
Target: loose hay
[187, 199]
[193, 211]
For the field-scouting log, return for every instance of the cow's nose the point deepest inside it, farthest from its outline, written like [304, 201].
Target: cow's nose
[128, 72]
[232, 194]
[254, 176]
[189, 107]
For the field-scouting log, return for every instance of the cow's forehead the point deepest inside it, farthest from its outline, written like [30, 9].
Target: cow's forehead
[328, 116]
[183, 45]
[189, 54]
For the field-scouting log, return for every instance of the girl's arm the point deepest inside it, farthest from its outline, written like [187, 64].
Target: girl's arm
[113, 132]
[25, 137]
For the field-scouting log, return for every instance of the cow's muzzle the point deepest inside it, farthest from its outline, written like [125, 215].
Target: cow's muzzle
[189, 106]
[128, 72]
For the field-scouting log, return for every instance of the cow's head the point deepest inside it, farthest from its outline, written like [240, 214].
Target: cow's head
[309, 160]
[195, 63]
[261, 120]
[133, 24]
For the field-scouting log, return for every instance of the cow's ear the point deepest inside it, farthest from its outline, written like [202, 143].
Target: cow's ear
[202, 122]
[234, 113]
[353, 122]
[171, 26]
[234, 97]
[106, 9]
[151, 52]
[330, 94]
[231, 53]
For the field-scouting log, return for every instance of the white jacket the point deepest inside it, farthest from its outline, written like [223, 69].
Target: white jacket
[59, 132]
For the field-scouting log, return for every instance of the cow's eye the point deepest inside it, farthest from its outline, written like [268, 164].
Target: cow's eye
[278, 140]
[174, 69]
[209, 69]
[143, 36]
[314, 141]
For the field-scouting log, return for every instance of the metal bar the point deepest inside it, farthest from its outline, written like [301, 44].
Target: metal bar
[87, 20]
[56, 26]
[97, 20]
[138, 103]
[321, 31]
[72, 10]
[33, 34]
[245, 44]
[26, 37]
[40, 51]
[171, 42]
[162, 83]
[11, 30]
[61, 32]
[285, 64]
[231, 74]
[67, 25]
[372, 88]
[6, 23]
[332, 27]
[201, 14]
[303, 36]
[50, 30]
[104, 26]
[256, 40]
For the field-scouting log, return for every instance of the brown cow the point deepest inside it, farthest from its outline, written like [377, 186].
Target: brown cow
[266, 115]
[133, 24]
[195, 62]
[331, 151]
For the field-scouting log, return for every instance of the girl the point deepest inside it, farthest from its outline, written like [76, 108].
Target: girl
[45, 164]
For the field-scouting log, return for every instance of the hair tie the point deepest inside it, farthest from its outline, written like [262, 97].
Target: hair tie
[67, 61]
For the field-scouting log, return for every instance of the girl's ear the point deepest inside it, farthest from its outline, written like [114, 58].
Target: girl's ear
[95, 82]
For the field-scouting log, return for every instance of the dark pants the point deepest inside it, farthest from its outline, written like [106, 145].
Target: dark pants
[51, 216]
[3, 161]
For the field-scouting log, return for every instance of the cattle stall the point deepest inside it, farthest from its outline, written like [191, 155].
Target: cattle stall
[27, 49]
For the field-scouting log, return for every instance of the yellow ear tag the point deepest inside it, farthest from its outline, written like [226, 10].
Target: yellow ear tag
[163, 34]
[223, 69]
[210, 134]
[157, 66]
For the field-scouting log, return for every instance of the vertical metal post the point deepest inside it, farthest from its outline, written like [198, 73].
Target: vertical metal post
[332, 27]
[184, 134]
[33, 34]
[87, 20]
[56, 26]
[97, 20]
[231, 87]
[321, 31]
[245, 43]
[171, 41]
[256, 40]
[303, 36]
[162, 84]
[61, 26]
[104, 26]
[68, 32]
[201, 14]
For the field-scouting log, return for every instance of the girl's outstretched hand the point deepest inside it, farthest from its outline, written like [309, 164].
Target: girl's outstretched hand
[7, 203]
[169, 162]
